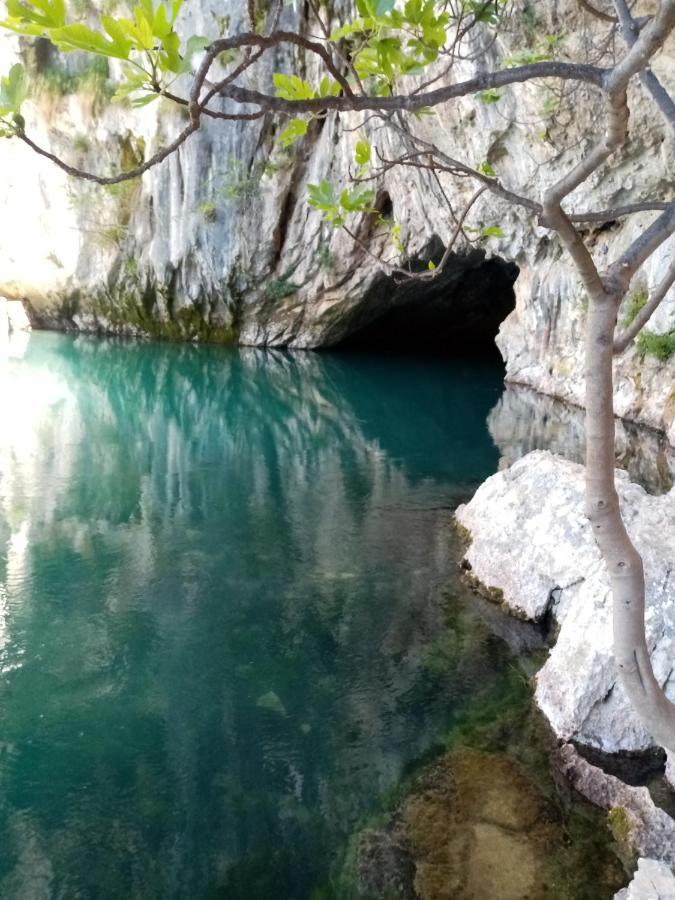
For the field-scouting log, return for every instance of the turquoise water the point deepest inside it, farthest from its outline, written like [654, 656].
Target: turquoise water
[222, 578]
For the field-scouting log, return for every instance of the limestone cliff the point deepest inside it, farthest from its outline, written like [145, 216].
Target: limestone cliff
[218, 243]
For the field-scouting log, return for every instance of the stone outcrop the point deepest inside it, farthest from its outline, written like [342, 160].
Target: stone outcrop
[531, 548]
[653, 881]
[637, 823]
[218, 243]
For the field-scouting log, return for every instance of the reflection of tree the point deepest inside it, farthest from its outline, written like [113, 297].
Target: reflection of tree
[204, 529]
[523, 421]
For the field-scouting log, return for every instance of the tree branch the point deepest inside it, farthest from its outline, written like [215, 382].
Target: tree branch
[112, 179]
[411, 102]
[597, 13]
[630, 30]
[620, 272]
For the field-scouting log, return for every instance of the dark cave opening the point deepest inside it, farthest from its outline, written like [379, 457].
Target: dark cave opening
[459, 313]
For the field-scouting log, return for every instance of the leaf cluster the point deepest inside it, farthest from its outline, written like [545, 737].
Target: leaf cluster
[147, 41]
[337, 206]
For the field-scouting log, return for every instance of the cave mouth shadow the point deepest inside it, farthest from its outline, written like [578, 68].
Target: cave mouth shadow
[458, 314]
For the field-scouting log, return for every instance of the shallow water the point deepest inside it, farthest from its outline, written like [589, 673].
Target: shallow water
[223, 625]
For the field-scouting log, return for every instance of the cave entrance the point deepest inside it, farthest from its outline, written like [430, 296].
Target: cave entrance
[458, 314]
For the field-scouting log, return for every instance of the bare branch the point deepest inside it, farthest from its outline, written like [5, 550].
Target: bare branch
[630, 29]
[644, 315]
[597, 13]
[651, 39]
[411, 102]
[123, 176]
[620, 272]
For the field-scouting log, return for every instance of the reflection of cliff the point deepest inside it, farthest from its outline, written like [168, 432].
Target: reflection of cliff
[523, 421]
[226, 568]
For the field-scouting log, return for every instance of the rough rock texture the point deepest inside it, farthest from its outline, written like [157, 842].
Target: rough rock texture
[653, 881]
[636, 821]
[532, 548]
[472, 827]
[218, 242]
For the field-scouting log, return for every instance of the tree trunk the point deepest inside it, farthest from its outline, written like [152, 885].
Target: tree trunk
[621, 558]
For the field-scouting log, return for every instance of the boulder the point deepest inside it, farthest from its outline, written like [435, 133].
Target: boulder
[532, 549]
[653, 881]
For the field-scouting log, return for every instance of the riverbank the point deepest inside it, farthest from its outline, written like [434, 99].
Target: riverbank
[531, 551]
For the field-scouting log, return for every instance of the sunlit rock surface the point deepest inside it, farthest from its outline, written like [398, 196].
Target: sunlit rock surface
[531, 546]
[218, 243]
[653, 881]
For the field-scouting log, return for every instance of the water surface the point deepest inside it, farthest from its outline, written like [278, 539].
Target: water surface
[222, 588]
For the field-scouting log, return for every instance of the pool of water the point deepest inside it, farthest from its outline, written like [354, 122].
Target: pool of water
[223, 608]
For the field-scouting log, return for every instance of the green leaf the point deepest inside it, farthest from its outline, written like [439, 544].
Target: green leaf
[490, 96]
[169, 55]
[143, 101]
[44, 13]
[322, 196]
[144, 29]
[290, 87]
[329, 88]
[134, 82]
[431, 265]
[357, 200]
[362, 153]
[492, 231]
[13, 90]
[296, 129]
[79, 37]
[486, 169]
[161, 26]
[195, 44]
[117, 34]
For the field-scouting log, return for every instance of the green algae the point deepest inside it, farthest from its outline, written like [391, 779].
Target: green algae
[486, 817]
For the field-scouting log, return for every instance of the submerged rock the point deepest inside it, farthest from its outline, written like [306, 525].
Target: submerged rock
[653, 881]
[474, 825]
[531, 548]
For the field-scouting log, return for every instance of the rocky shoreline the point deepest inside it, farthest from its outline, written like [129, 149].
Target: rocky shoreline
[531, 550]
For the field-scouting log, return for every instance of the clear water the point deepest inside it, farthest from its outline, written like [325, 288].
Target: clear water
[222, 580]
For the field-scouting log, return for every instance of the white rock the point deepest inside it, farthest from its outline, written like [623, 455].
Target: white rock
[653, 881]
[531, 541]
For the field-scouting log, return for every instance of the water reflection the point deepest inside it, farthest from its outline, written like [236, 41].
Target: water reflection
[222, 573]
[523, 421]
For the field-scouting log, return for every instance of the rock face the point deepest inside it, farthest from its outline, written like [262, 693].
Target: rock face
[653, 881]
[532, 548]
[219, 244]
[638, 824]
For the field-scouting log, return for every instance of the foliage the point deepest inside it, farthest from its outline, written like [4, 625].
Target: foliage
[280, 288]
[336, 207]
[12, 94]
[147, 42]
[635, 303]
[208, 211]
[662, 346]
